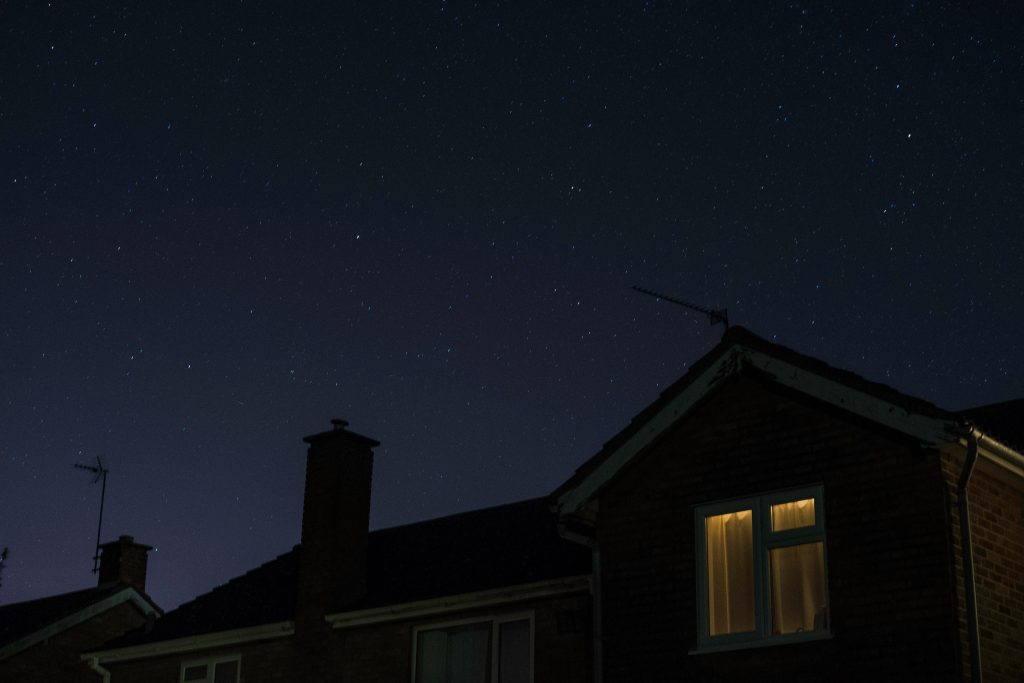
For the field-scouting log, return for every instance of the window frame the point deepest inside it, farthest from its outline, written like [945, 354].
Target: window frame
[764, 541]
[208, 662]
[495, 620]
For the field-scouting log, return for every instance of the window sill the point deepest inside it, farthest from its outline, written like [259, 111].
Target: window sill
[791, 638]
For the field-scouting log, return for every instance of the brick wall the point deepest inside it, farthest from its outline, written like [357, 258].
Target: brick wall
[887, 544]
[997, 529]
[57, 659]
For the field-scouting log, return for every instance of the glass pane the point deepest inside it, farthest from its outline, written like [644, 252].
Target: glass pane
[514, 652]
[195, 673]
[468, 650]
[431, 654]
[730, 550]
[798, 588]
[226, 672]
[799, 513]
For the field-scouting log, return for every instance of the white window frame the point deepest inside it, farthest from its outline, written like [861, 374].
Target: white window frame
[764, 540]
[208, 662]
[495, 620]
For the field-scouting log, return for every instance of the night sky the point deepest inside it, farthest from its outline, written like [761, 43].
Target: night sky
[223, 224]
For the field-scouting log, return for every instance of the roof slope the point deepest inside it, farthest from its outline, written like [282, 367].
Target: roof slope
[791, 360]
[23, 624]
[20, 619]
[495, 547]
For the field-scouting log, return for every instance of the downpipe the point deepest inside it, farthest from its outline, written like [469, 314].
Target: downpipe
[967, 552]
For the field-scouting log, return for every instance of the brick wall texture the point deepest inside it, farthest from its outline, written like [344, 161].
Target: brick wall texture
[890, 576]
[996, 503]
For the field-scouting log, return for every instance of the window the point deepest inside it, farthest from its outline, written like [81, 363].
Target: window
[220, 670]
[761, 568]
[480, 651]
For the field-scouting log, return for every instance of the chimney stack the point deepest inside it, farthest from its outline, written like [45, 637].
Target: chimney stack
[335, 522]
[124, 561]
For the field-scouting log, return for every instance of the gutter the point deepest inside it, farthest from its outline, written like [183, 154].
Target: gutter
[967, 549]
[999, 453]
[94, 664]
[191, 643]
[462, 601]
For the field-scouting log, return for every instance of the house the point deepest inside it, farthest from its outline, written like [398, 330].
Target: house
[492, 594]
[768, 517]
[42, 640]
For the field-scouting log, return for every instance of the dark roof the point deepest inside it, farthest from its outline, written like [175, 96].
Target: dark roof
[21, 619]
[734, 336]
[501, 546]
[1002, 421]
[473, 551]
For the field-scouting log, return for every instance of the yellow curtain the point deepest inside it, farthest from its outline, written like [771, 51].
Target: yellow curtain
[798, 588]
[730, 572]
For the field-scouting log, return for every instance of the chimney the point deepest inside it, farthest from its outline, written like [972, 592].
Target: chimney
[124, 561]
[335, 522]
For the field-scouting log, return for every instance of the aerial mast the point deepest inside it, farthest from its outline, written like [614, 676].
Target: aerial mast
[714, 316]
[101, 475]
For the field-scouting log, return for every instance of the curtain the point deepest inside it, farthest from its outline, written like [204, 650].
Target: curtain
[799, 513]
[730, 569]
[798, 588]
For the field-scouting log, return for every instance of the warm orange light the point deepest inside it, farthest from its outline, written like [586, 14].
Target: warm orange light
[793, 515]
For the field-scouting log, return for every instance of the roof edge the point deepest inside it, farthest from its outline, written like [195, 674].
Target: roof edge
[732, 360]
[125, 595]
[1005, 456]
[461, 601]
[189, 643]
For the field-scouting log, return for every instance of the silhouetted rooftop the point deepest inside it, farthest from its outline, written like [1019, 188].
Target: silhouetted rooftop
[495, 547]
[21, 619]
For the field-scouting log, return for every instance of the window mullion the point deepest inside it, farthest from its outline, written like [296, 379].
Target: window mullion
[761, 567]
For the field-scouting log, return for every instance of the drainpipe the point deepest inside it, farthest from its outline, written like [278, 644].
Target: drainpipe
[598, 628]
[967, 549]
[586, 538]
[94, 664]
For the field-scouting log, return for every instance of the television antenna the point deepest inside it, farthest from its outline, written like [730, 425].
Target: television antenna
[101, 475]
[714, 316]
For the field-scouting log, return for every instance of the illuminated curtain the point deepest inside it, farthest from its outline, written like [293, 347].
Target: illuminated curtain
[798, 588]
[730, 556]
[799, 513]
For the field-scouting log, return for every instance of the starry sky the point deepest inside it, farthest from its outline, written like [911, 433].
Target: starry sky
[223, 224]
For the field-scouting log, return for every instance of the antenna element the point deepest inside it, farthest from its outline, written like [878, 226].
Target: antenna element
[101, 474]
[714, 316]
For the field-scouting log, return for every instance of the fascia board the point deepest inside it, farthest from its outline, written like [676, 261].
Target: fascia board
[191, 643]
[926, 429]
[462, 601]
[999, 453]
[82, 615]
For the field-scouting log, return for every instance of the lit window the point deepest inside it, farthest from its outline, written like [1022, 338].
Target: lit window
[761, 568]
[491, 651]
[222, 670]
